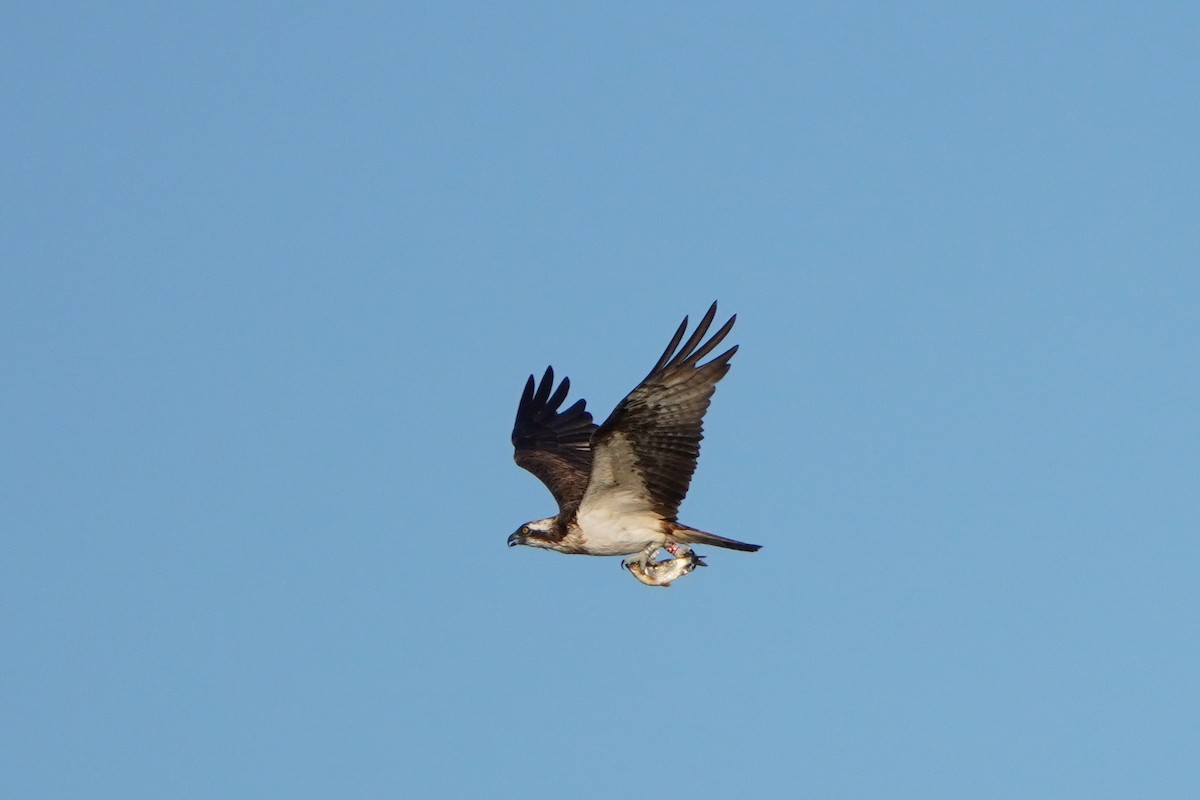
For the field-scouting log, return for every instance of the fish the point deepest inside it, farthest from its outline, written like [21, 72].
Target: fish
[662, 573]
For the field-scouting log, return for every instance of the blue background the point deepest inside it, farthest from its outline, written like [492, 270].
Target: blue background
[273, 276]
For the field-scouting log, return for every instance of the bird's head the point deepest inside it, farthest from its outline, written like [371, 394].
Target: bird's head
[538, 533]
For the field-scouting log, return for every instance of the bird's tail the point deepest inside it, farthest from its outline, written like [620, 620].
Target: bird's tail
[683, 533]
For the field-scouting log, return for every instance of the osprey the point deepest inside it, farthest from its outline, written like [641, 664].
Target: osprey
[619, 485]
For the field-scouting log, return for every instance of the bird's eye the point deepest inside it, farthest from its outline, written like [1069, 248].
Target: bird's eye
[524, 530]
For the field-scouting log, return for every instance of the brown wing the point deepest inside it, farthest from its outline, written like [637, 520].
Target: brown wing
[554, 445]
[659, 425]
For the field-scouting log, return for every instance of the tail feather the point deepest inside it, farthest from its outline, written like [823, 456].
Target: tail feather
[683, 533]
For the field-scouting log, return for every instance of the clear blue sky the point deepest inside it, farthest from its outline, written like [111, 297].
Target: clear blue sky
[271, 279]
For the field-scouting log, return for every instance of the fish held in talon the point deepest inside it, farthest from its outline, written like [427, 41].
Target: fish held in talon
[664, 572]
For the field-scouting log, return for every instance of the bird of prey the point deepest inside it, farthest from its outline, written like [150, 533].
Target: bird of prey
[619, 485]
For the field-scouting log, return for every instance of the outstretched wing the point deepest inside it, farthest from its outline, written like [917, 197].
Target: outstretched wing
[554, 445]
[646, 451]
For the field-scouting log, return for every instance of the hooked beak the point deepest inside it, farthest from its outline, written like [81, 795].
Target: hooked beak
[515, 540]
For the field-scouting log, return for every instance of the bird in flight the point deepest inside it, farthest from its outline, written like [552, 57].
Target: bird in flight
[619, 485]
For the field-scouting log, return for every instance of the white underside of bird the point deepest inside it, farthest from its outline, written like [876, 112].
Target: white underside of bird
[615, 518]
[610, 531]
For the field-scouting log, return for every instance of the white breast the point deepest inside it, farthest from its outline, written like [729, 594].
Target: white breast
[619, 529]
[614, 516]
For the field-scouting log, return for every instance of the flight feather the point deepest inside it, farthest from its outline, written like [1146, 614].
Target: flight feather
[554, 445]
[660, 423]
